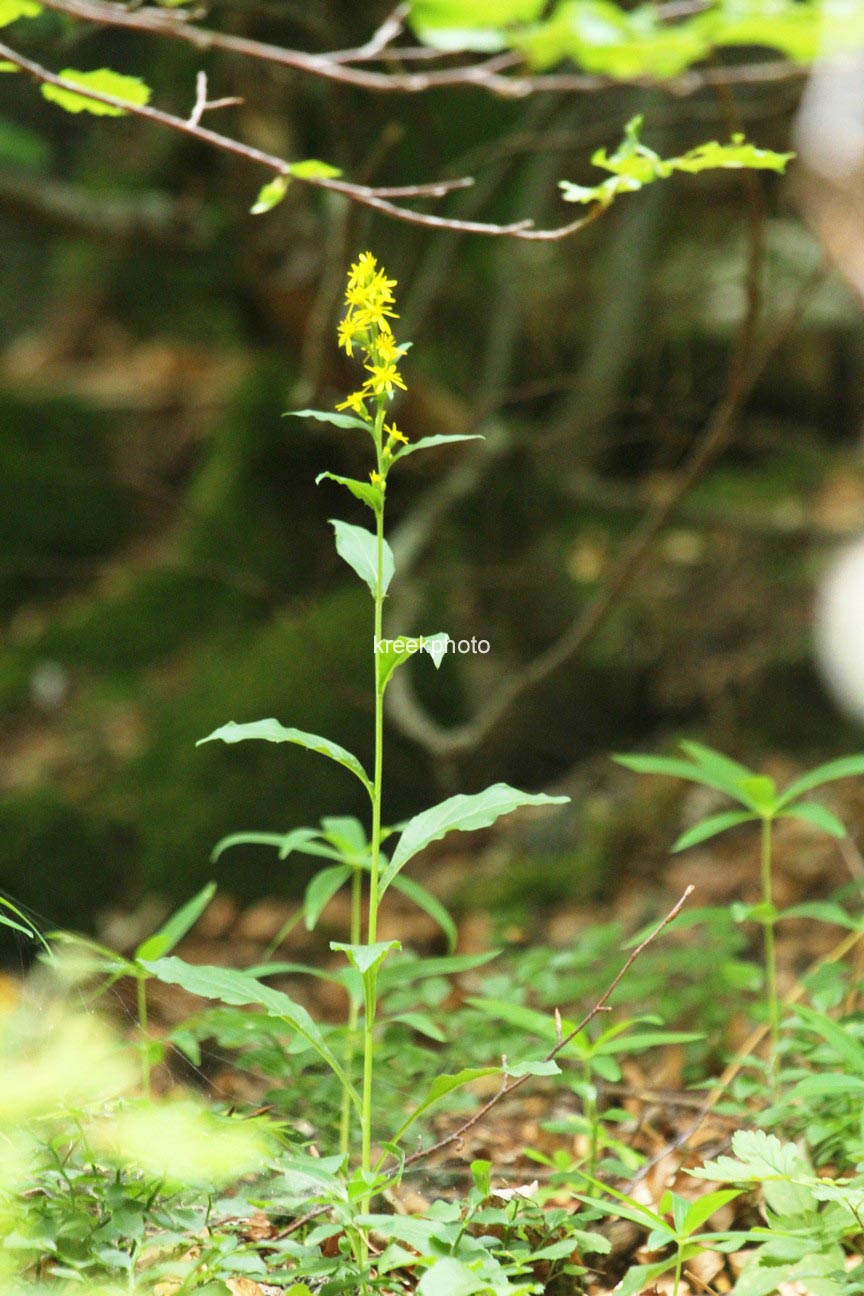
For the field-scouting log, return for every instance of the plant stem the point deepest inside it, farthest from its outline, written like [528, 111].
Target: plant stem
[770, 949]
[141, 983]
[679, 1260]
[353, 1013]
[369, 1016]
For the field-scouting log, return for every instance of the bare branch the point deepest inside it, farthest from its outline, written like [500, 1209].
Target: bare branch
[203, 104]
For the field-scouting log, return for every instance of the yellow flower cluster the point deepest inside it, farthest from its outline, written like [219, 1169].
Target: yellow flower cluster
[366, 325]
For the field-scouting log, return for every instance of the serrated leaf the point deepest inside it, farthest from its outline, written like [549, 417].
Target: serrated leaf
[758, 1157]
[239, 989]
[460, 814]
[272, 731]
[171, 932]
[710, 827]
[270, 195]
[131, 90]
[325, 416]
[359, 548]
[365, 491]
[313, 169]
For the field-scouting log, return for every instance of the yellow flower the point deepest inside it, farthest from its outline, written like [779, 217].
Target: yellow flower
[384, 378]
[387, 348]
[348, 332]
[354, 402]
[394, 433]
[363, 268]
[376, 478]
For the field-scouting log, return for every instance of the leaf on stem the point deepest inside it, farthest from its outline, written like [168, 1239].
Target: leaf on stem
[359, 548]
[272, 731]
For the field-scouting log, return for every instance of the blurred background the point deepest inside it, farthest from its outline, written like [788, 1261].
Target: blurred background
[672, 407]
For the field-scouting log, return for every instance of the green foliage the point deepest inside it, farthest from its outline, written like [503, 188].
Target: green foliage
[131, 90]
[633, 165]
[11, 10]
[606, 39]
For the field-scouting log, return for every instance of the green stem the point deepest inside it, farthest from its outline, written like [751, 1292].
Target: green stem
[353, 1014]
[369, 1016]
[679, 1262]
[770, 949]
[142, 1027]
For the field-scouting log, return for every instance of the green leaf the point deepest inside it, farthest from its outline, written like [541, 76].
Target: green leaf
[699, 1212]
[430, 905]
[11, 10]
[536, 1067]
[710, 827]
[131, 90]
[759, 1157]
[321, 891]
[272, 731]
[461, 814]
[361, 490]
[409, 971]
[325, 416]
[823, 911]
[312, 169]
[270, 195]
[171, 932]
[842, 1041]
[359, 548]
[366, 958]
[238, 989]
[818, 815]
[391, 653]
[428, 443]
[675, 767]
[440, 1087]
[845, 767]
[762, 792]
[285, 843]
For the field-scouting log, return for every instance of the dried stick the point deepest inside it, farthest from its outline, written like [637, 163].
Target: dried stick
[509, 1087]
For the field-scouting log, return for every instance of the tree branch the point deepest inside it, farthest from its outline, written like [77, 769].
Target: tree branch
[489, 74]
[367, 196]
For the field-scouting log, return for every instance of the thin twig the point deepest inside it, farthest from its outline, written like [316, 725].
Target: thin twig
[509, 1087]
[365, 195]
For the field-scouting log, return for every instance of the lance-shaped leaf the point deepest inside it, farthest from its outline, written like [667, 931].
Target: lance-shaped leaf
[429, 443]
[817, 815]
[391, 653]
[365, 491]
[694, 772]
[359, 548]
[440, 1087]
[460, 814]
[172, 932]
[238, 989]
[711, 826]
[326, 416]
[270, 195]
[272, 731]
[845, 767]
[321, 891]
